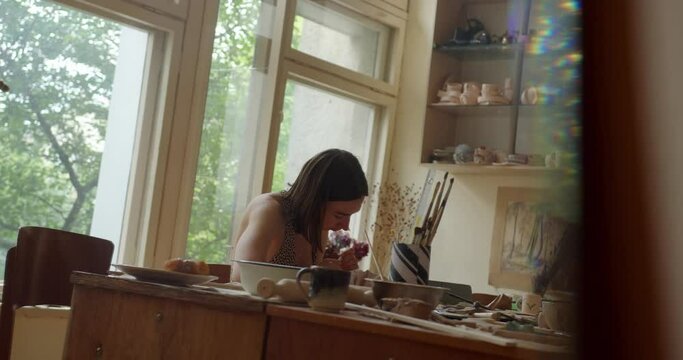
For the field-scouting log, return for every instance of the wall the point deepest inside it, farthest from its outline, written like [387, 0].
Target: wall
[462, 244]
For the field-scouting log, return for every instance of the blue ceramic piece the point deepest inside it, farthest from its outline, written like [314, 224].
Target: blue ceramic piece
[463, 154]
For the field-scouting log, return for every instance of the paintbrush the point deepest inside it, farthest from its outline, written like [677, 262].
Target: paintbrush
[442, 207]
[430, 228]
[420, 233]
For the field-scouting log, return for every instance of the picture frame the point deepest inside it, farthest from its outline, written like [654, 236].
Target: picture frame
[526, 237]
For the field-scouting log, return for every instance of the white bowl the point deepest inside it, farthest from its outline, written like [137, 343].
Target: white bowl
[253, 271]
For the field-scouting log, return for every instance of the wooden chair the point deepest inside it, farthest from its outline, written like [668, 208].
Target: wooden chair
[38, 269]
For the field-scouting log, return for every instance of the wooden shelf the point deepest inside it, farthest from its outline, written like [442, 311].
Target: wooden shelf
[472, 109]
[503, 170]
[481, 52]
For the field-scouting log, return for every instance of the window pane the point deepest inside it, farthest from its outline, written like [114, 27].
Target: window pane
[341, 37]
[315, 120]
[233, 105]
[63, 136]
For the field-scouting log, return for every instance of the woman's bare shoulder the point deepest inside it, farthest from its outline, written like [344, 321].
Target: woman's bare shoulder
[266, 206]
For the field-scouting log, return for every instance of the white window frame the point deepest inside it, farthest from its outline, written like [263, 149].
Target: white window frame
[363, 10]
[160, 199]
[318, 73]
[152, 204]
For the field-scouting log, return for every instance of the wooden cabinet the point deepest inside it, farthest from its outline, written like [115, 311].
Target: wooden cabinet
[543, 40]
[117, 318]
[123, 319]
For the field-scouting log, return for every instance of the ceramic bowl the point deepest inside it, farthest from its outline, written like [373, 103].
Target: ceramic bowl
[253, 271]
[390, 289]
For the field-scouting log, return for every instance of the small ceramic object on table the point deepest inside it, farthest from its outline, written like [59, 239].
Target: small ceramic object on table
[328, 288]
[557, 315]
[531, 304]
[409, 307]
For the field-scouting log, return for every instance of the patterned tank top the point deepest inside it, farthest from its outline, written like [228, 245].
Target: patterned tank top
[286, 254]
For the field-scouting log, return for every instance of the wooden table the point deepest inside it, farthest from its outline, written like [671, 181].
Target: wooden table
[118, 318]
[302, 333]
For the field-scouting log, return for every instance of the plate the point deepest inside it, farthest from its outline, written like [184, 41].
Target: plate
[164, 276]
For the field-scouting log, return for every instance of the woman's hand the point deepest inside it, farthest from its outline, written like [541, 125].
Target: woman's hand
[347, 260]
[330, 263]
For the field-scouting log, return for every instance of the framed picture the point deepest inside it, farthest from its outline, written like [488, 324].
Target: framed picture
[526, 237]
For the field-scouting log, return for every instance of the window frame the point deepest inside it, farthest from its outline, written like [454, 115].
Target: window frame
[152, 204]
[394, 55]
[158, 207]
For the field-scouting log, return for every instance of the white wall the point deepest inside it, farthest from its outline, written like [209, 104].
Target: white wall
[661, 51]
[462, 245]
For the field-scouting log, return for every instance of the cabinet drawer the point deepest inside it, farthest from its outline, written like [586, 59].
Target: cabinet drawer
[108, 324]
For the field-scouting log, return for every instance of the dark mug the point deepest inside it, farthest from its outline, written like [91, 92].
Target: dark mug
[327, 288]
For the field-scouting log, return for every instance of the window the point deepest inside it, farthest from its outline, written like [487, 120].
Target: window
[283, 73]
[154, 127]
[237, 81]
[70, 122]
[315, 120]
[341, 37]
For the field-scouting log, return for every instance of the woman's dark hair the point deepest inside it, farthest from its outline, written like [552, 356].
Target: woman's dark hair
[332, 175]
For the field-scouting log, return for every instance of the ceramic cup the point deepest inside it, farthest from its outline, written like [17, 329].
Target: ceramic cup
[490, 90]
[558, 315]
[327, 288]
[531, 304]
[468, 98]
[473, 87]
[483, 156]
[454, 86]
[529, 96]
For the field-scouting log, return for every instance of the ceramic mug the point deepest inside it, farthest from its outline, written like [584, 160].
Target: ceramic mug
[327, 288]
[531, 304]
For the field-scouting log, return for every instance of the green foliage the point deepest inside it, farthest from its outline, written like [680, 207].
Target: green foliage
[223, 131]
[60, 65]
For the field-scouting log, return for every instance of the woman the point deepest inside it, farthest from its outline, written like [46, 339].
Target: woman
[290, 228]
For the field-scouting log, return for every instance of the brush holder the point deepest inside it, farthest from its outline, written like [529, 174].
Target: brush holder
[410, 263]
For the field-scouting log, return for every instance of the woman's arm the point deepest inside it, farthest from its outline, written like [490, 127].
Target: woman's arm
[262, 233]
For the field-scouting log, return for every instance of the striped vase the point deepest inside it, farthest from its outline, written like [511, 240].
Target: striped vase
[410, 263]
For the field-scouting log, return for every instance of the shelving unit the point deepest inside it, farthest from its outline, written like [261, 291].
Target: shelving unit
[502, 170]
[493, 126]
[481, 52]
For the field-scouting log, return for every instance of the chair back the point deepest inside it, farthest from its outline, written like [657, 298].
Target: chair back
[40, 269]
